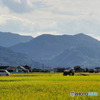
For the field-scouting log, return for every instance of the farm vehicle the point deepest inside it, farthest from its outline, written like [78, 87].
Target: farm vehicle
[69, 71]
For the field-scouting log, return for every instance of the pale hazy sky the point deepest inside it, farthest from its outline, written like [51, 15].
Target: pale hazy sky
[35, 17]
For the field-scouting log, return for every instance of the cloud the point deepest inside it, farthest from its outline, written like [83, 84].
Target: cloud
[73, 7]
[19, 6]
[36, 17]
[67, 25]
[3, 10]
[15, 24]
[10, 23]
[62, 7]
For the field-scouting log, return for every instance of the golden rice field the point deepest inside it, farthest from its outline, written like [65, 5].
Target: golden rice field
[48, 86]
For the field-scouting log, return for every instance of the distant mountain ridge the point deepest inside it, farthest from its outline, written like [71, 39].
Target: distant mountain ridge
[82, 56]
[64, 50]
[9, 39]
[11, 58]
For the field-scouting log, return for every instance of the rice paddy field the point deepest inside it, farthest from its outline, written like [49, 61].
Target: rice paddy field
[48, 86]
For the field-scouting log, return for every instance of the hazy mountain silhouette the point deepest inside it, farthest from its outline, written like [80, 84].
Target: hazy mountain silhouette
[9, 39]
[11, 58]
[62, 50]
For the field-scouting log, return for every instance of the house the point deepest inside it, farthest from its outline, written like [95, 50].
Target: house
[59, 69]
[23, 69]
[78, 69]
[37, 70]
[12, 69]
[4, 67]
[98, 69]
[91, 70]
[9, 68]
[28, 67]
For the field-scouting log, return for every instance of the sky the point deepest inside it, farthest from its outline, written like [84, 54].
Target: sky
[58, 17]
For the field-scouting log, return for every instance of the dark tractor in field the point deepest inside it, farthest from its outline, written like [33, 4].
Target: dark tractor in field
[69, 71]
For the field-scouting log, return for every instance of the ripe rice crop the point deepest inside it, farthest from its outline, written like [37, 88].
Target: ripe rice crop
[48, 86]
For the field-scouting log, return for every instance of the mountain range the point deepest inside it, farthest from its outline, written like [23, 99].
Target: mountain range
[9, 39]
[11, 58]
[62, 50]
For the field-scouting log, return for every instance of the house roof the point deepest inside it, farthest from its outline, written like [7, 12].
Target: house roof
[27, 67]
[3, 67]
[21, 67]
[59, 68]
[97, 67]
[11, 68]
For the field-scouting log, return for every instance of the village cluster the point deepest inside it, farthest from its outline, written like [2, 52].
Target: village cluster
[27, 69]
